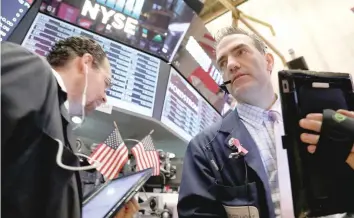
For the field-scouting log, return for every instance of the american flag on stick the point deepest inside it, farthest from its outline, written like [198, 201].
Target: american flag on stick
[146, 156]
[112, 154]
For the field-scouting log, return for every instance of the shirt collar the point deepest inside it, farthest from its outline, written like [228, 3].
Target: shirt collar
[59, 80]
[276, 107]
[256, 115]
[250, 113]
[62, 85]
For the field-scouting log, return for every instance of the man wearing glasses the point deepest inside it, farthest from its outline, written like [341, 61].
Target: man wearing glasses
[38, 101]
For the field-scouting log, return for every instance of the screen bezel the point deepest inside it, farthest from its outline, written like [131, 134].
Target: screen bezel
[147, 173]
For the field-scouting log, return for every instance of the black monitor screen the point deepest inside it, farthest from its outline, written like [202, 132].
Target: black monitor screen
[156, 26]
[134, 73]
[12, 11]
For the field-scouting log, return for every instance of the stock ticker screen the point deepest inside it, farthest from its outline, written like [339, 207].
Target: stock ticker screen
[12, 11]
[134, 73]
[185, 111]
[154, 26]
[195, 59]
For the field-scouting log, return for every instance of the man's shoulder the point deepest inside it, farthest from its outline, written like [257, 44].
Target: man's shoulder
[9, 48]
[15, 57]
[210, 133]
[210, 130]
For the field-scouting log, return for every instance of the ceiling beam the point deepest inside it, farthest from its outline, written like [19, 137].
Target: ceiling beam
[236, 17]
[216, 9]
[212, 16]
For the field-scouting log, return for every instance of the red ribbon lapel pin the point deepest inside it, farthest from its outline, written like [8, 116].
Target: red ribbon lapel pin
[235, 143]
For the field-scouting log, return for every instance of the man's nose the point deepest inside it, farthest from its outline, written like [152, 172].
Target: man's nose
[233, 65]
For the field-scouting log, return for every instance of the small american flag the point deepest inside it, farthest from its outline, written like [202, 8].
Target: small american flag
[112, 154]
[146, 156]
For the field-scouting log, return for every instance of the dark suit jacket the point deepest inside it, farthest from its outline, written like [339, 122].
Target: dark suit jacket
[32, 117]
[206, 187]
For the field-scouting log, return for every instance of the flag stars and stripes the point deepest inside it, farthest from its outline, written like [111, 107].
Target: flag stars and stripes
[112, 154]
[146, 155]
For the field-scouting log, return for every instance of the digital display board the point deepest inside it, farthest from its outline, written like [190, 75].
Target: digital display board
[195, 59]
[185, 110]
[12, 11]
[134, 73]
[155, 26]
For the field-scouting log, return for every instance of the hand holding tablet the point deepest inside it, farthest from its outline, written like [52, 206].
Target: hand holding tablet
[129, 210]
[115, 198]
[314, 122]
[318, 142]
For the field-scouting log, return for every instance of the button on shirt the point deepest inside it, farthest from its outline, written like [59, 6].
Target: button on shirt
[260, 124]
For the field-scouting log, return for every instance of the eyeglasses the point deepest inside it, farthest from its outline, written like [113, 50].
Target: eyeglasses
[107, 80]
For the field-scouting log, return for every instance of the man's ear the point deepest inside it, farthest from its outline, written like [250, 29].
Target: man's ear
[86, 59]
[270, 61]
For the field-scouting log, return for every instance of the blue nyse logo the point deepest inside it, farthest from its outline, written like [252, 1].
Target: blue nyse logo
[130, 8]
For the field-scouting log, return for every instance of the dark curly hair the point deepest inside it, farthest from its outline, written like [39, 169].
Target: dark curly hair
[67, 49]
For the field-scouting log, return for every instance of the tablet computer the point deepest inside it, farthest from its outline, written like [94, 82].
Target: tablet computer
[107, 200]
[317, 189]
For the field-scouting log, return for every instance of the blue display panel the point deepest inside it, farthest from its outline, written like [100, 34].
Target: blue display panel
[185, 111]
[134, 73]
[12, 12]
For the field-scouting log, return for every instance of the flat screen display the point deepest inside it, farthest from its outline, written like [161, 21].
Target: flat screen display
[12, 11]
[195, 59]
[107, 198]
[185, 111]
[156, 26]
[134, 73]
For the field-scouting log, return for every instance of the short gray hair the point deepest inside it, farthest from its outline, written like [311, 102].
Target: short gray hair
[258, 43]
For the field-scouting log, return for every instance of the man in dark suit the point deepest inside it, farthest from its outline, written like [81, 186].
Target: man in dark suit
[35, 98]
[214, 184]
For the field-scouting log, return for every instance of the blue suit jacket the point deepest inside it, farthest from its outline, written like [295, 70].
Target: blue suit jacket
[206, 186]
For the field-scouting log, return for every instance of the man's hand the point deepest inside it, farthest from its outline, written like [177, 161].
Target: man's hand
[314, 122]
[129, 210]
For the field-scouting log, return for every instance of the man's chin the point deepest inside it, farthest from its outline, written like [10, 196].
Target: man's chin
[89, 108]
[242, 91]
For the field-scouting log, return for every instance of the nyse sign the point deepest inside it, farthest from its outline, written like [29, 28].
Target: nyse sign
[119, 21]
[130, 8]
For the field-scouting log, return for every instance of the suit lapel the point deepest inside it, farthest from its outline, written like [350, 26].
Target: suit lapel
[67, 127]
[70, 140]
[233, 126]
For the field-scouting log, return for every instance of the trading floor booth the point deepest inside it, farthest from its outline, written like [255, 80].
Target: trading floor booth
[163, 66]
